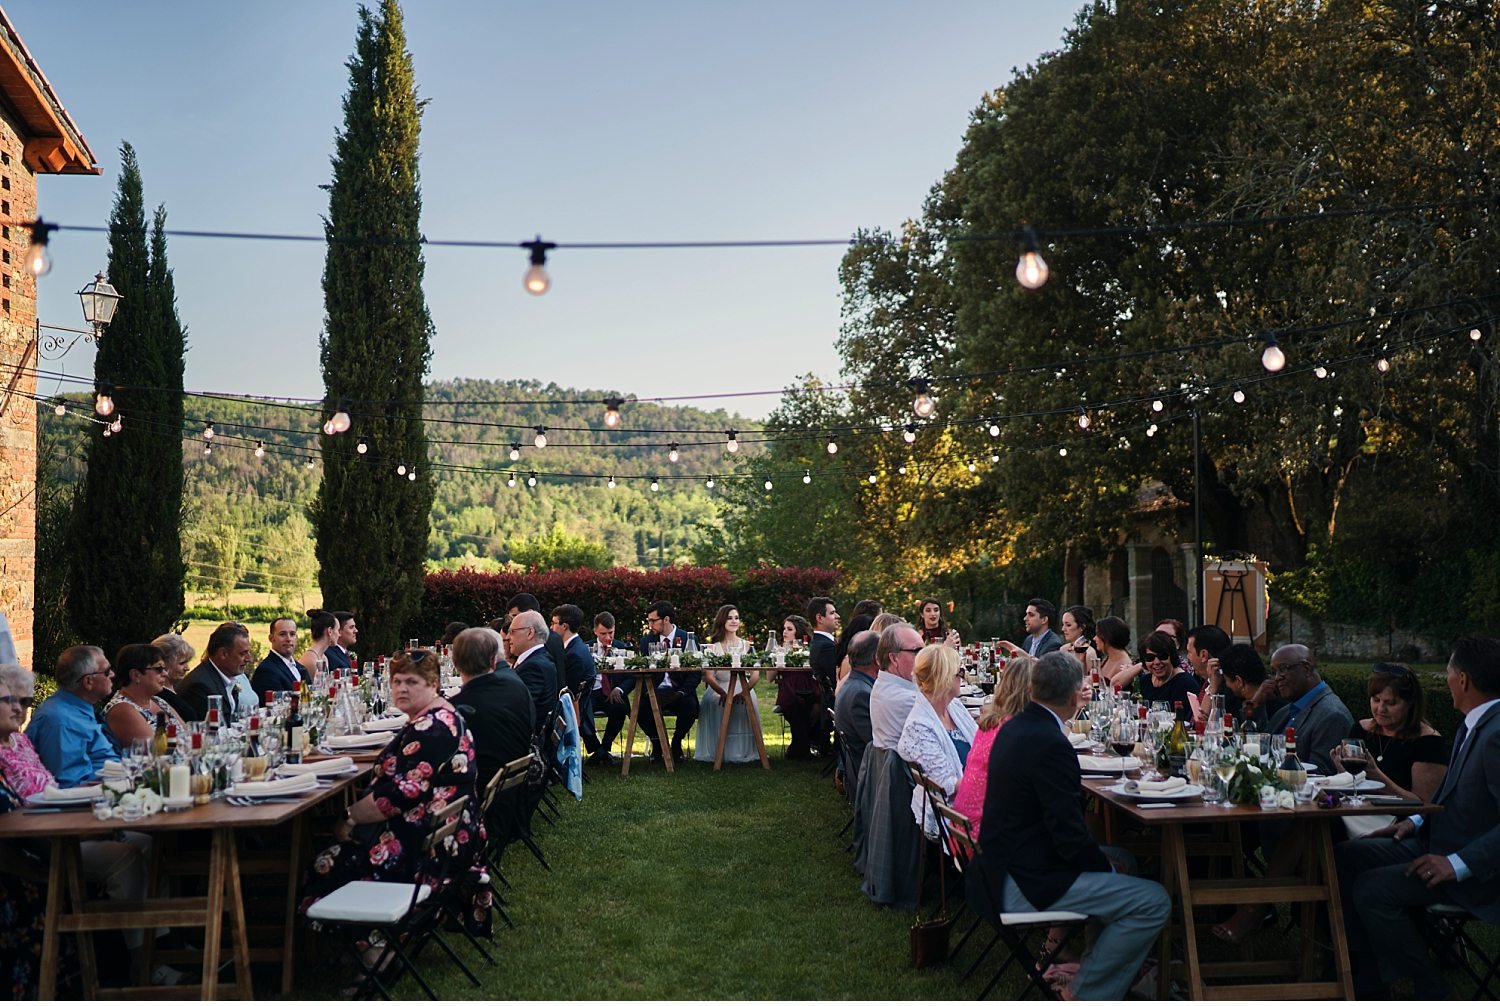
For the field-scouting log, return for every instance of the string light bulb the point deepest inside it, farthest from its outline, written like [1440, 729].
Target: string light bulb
[1084, 422]
[972, 466]
[806, 477]
[732, 445]
[655, 485]
[901, 470]
[994, 459]
[994, 429]
[341, 421]
[871, 478]
[1157, 405]
[515, 452]
[117, 425]
[1239, 396]
[59, 406]
[104, 401]
[536, 280]
[1475, 334]
[38, 261]
[511, 481]
[909, 433]
[1062, 452]
[401, 469]
[833, 446]
[260, 448]
[531, 480]
[540, 440]
[105, 431]
[411, 476]
[1151, 430]
[1273, 358]
[673, 454]
[710, 483]
[1031, 270]
[768, 485]
[309, 461]
[612, 412]
[1383, 365]
[328, 427]
[922, 405]
[207, 448]
[611, 482]
[208, 428]
[1320, 372]
[363, 446]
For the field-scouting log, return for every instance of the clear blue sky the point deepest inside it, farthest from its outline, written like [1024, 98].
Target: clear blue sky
[580, 121]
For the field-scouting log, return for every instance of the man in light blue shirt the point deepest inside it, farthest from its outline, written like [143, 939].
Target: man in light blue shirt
[66, 730]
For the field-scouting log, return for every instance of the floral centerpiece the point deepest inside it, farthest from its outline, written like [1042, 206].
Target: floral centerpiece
[132, 804]
[1253, 783]
[690, 660]
[639, 662]
[711, 659]
[796, 657]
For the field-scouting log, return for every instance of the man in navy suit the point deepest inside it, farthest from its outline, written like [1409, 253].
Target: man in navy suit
[1035, 851]
[278, 672]
[577, 669]
[822, 657]
[338, 653]
[678, 691]
[532, 663]
[1453, 857]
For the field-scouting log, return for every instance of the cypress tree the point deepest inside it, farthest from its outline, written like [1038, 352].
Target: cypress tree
[371, 523]
[125, 547]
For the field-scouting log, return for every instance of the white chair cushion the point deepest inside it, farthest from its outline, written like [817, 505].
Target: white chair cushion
[367, 901]
[1031, 918]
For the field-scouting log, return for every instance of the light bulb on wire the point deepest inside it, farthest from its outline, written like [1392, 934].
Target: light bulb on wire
[611, 482]
[673, 454]
[994, 459]
[60, 407]
[208, 428]
[1083, 419]
[1475, 334]
[1031, 270]
[710, 483]
[1383, 365]
[116, 426]
[833, 446]
[38, 261]
[105, 431]
[401, 469]
[411, 476]
[909, 433]
[515, 452]
[260, 448]
[363, 446]
[1320, 372]
[531, 480]
[511, 481]
[806, 477]
[768, 485]
[1062, 452]
[972, 466]
[732, 445]
[612, 412]
[1151, 430]
[922, 405]
[328, 428]
[1157, 405]
[994, 429]
[871, 478]
[540, 440]
[104, 402]
[1273, 358]
[1239, 396]
[340, 422]
[536, 280]
[655, 485]
[309, 461]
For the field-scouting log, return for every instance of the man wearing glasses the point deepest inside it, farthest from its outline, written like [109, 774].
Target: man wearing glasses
[65, 729]
[1319, 716]
[677, 692]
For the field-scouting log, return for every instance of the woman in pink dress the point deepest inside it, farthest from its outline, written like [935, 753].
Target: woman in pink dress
[1012, 692]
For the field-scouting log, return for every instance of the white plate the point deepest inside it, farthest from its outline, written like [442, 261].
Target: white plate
[357, 742]
[1364, 786]
[181, 804]
[1188, 792]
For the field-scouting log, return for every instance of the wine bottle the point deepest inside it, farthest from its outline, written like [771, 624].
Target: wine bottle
[294, 732]
[159, 738]
[1177, 741]
[1291, 772]
[255, 753]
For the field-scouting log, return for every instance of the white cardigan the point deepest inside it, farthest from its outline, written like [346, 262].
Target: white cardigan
[925, 743]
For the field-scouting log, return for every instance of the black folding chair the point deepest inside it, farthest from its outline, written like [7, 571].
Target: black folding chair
[1456, 945]
[407, 916]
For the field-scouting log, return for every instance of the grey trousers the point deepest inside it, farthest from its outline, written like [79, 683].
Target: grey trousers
[1378, 897]
[1129, 911]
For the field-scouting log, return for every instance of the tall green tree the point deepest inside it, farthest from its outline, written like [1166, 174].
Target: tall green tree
[372, 524]
[125, 550]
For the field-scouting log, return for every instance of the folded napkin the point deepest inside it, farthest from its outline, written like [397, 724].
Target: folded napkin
[386, 724]
[1171, 785]
[277, 787]
[326, 766]
[1089, 763]
[113, 770]
[1343, 781]
[1080, 740]
[56, 794]
[345, 741]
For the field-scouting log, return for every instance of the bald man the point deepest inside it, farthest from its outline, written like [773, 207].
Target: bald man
[1319, 716]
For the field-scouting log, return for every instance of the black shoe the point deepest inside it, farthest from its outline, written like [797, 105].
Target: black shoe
[655, 756]
[602, 758]
[677, 753]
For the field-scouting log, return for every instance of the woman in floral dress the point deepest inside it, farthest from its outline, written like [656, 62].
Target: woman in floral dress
[428, 765]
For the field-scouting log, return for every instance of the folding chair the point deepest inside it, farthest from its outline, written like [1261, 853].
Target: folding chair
[402, 913]
[1011, 928]
[511, 817]
[1454, 944]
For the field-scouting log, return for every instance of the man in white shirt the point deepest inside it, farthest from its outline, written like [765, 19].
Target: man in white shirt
[894, 692]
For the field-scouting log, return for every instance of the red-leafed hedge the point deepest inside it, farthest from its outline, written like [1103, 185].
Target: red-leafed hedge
[764, 595]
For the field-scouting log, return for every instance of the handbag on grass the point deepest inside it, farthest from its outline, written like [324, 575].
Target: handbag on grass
[929, 939]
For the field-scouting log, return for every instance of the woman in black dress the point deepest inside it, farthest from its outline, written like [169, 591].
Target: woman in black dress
[1406, 753]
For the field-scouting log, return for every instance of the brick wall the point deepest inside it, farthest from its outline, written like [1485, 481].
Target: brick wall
[18, 424]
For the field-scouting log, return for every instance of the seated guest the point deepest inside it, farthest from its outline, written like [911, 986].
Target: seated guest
[851, 709]
[339, 654]
[1036, 854]
[740, 745]
[133, 711]
[1318, 715]
[324, 629]
[527, 644]
[1205, 644]
[1406, 752]
[677, 692]
[451, 631]
[427, 765]
[228, 652]
[578, 669]
[1012, 693]
[894, 693]
[179, 654]
[1165, 680]
[939, 731]
[932, 625]
[855, 625]
[279, 671]
[610, 693]
[1178, 633]
[796, 690]
[1246, 681]
[528, 602]
[495, 705]
[1452, 857]
[1112, 640]
[1078, 631]
[64, 729]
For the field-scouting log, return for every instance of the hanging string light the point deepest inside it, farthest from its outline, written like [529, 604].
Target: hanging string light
[1383, 365]
[540, 440]
[536, 280]
[901, 470]
[207, 448]
[515, 452]
[115, 426]
[59, 407]
[909, 433]
[612, 412]
[1475, 334]
[208, 428]
[1031, 270]
[710, 483]
[732, 445]
[972, 466]
[401, 469]
[38, 260]
[994, 459]
[309, 461]
[833, 446]
[531, 480]
[363, 446]
[611, 482]
[806, 477]
[655, 485]
[340, 421]
[673, 454]
[994, 429]
[1083, 418]
[1320, 372]
[411, 476]
[104, 400]
[511, 481]
[260, 448]
[1273, 358]
[922, 405]
[768, 485]
[871, 478]
[1151, 430]
[1062, 452]
[1239, 396]
[328, 429]
[1157, 405]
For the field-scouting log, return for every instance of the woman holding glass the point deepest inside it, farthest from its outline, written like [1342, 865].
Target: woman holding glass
[1078, 639]
[325, 632]
[1400, 748]
[131, 713]
[723, 693]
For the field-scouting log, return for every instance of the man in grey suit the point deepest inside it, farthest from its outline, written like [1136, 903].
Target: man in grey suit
[1452, 858]
[1318, 715]
[851, 709]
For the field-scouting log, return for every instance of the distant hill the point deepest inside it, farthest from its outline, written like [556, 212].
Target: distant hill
[249, 514]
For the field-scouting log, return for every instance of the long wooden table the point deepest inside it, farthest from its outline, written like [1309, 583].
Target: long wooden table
[646, 680]
[70, 911]
[1316, 883]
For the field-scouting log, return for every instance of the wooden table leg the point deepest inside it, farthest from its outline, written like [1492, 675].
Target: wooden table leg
[725, 706]
[1323, 846]
[663, 744]
[1164, 943]
[641, 681]
[89, 964]
[752, 712]
[213, 923]
[50, 922]
[236, 896]
[1177, 848]
[289, 936]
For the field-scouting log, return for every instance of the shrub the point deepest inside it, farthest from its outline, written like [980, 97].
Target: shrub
[764, 595]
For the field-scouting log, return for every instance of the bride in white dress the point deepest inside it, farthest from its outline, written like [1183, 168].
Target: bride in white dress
[740, 745]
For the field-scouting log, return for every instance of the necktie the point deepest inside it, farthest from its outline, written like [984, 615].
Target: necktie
[1448, 777]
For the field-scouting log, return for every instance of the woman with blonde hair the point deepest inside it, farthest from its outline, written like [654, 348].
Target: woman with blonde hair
[1012, 693]
[939, 731]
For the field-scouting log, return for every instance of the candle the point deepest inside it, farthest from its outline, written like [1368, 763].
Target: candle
[1252, 751]
[177, 782]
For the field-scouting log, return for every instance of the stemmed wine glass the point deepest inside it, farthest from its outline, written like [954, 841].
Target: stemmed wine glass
[1122, 737]
[136, 758]
[1355, 759]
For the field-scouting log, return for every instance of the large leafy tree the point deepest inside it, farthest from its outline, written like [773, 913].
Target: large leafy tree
[125, 552]
[372, 524]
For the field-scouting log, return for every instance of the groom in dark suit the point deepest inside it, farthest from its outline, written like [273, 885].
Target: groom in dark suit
[678, 691]
[1452, 858]
[822, 658]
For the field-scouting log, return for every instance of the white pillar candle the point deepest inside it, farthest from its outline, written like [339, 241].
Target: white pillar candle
[1252, 751]
[177, 783]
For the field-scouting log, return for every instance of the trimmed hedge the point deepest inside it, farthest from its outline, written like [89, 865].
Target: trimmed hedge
[764, 595]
